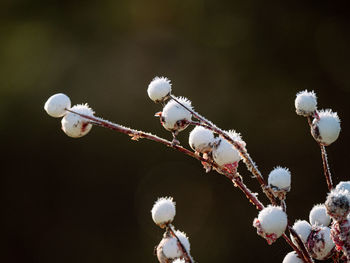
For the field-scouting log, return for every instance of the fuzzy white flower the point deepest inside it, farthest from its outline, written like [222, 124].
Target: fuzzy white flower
[303, 229]
[318, 216]
[174, 117]
[305, 103]
[57, 104]
[201, 139]
[343, 185]
[338, 204]
[163, 211]
[224, 152]
[183, 239]
[320, 243]
[273, 220]
[279, 179]
[159, 89]
[74, 125]
[292, 257]
[326, 128]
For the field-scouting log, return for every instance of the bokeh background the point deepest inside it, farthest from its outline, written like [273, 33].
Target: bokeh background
[241, 62]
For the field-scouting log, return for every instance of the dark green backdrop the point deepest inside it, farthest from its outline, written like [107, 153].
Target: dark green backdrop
[241, 62]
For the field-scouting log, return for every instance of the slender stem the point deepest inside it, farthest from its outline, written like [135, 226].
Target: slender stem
[186, 254]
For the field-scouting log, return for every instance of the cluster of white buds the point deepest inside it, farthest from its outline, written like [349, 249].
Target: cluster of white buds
[279, 181]
[175, 246]
[271, 223]
[75, 126]
[325, 126]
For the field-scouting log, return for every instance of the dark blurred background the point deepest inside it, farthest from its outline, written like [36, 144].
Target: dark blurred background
[241, 62]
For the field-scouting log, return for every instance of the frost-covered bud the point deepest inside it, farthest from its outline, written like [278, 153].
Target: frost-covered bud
[179, 260]
[183, 239]
[338, 204]
[279, 181]
[201, 139]
[174, 117]
[74, 125]
[303, 229]
[292, 257]
[318, 216]
[343, 185]
[326, 128]
[224, 152]
[57, 104]
[170, 248]
[271, 223]
[163, 211]
[305, 103]
[159, 89]
[320, 243]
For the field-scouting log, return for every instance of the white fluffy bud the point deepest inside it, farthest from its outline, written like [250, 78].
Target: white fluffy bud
[57, 104]
[320, 243]
[303, 229]
[279, 179]
[343, 185]
[159, 89]
[163, 211]
[318, 216]
[74, 125]
[292, 257]
[170, 248]
[305, 103]
[174, 116]
[183, 239]
[326, 128]
[338, 204]
[179, 260]
[201, 139]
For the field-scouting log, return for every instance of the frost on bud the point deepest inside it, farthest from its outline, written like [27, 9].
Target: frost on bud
[279, 181]
[169, 248]
[326, 127]
[201, 139]
[163, 211]
[320, 244]
[224, 153]
[57, 104]
[159, 89]
[174, 117]
[74, 125]
[305, 103]
[303, 229]
[318, 216]
[179, 261]
[338, 204]
[344, 185]
[271, 223]
[292, 257]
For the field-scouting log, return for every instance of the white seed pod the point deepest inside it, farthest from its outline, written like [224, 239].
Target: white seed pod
[201, 139]
[320, 243]
[57, 104]
[174, 117]
[326, 128]
[318, 216]
[273, 220]
[338, 204]
[168, 248]
[303, 229]
[163, 211]
[74, 125]
[159, 89]
[184, 240]
[305, 103]
[179, 260]
[343, 185]
[224, 152]
[279, 179]
[292, 257]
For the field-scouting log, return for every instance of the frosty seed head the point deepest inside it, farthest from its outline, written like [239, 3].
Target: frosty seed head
[224, 152]
[201, 139]
[303, 229]
[163, 211]
[279, 179]
[57, 104]
[338, 204]
[343, 185]
[174, 117]
[271, 223]
[74, 125]
[170, 248]
[292, 257]
[305, 103]
[320, 243]
[326, 128]
[318, 216]
[183, 239]
[159, 89]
